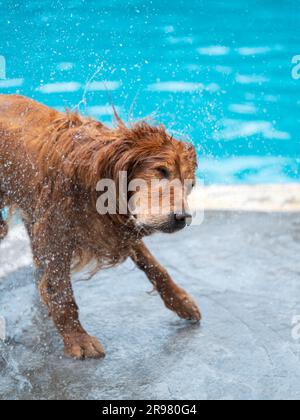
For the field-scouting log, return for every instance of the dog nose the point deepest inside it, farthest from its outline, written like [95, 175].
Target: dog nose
[183, 218]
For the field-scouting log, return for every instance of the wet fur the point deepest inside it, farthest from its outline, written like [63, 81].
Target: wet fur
[50, 164]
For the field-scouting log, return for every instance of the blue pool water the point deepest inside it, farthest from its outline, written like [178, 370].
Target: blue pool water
[215, 71]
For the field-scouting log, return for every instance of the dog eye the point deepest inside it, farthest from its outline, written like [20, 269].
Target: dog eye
[164, 172]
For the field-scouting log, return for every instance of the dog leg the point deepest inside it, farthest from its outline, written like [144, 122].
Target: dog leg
[175, 298]
[56, 292]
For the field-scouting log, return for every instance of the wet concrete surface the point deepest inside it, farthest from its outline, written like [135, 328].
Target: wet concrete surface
[243, 269]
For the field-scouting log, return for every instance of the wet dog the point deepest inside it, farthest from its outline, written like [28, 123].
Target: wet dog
[50, 166]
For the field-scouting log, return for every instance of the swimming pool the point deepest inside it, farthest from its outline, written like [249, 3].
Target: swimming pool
[217, 72]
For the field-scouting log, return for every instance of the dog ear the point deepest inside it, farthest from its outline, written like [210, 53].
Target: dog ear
[107, 162]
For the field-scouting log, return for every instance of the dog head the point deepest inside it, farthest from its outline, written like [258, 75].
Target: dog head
[160, 174]
[157, 171]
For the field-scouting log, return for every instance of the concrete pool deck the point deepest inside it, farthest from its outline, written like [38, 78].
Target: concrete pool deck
[242, 268]
[266, 198]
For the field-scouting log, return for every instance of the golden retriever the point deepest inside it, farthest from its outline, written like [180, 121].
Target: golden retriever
[50, 166]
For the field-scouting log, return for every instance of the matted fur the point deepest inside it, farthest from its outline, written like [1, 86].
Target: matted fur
[69, 155]
[50, 164]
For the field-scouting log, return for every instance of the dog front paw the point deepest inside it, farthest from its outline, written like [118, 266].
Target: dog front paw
[180, 302]
[82, 346]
